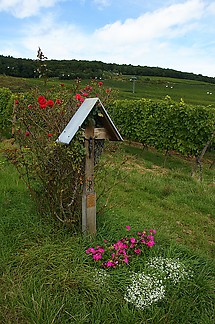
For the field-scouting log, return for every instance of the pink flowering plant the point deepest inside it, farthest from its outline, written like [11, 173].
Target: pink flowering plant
[112, 255]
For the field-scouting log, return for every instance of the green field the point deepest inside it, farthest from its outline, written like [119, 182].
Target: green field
[192, 92]
[46, 276]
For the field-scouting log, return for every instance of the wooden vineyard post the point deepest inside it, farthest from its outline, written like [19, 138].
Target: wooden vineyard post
[89, 195]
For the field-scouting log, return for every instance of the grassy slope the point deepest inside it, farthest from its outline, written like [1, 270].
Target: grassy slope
[192, 92]
[46, 276]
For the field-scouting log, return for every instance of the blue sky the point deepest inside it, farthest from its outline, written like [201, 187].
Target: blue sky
[176, 34]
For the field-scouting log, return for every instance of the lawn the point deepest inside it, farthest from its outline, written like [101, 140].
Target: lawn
[46, 276]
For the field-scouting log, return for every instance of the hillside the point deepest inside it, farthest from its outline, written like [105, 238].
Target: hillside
[71, 69]
[191, 91]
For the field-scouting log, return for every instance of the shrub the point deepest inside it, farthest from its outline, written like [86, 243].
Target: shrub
[52, 171]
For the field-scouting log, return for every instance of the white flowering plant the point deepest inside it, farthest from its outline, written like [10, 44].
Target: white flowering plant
[150, 286]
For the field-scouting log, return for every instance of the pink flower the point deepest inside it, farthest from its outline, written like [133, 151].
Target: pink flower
[97, 256]
[125, 259]
[120, 245]
[132, 240]
[137, 251]
[150, 243]
[90, 250]
[128, 227]
[150, 237]
[109, 264]
[100, 249]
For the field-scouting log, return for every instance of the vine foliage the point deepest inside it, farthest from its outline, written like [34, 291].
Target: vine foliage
[166, 124]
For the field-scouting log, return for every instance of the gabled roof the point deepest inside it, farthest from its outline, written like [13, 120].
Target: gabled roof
[81, 115]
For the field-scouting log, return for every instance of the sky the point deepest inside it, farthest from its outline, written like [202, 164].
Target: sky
[175, 34]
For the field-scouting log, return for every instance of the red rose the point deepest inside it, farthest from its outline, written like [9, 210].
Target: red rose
[27, 133]
[41, 100]
[78, 96]
[58, 101]
[42, 106]
[50, 103]
[50, 135]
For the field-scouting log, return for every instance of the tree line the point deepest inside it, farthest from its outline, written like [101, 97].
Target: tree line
[73, 69]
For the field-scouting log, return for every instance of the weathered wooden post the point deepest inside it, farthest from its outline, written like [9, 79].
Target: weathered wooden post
[91, 134]
[89, 195]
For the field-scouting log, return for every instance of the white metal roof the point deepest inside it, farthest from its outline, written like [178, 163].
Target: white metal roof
[80, 116]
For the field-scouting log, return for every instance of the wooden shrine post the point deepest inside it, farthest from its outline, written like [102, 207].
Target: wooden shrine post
[107, 131]
[89, 195]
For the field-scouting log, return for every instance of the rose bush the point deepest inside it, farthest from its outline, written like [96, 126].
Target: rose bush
[53, 172]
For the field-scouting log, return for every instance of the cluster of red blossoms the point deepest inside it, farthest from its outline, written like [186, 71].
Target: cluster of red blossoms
[44, 103]
[120, 252]
[83, 93]
[47, 103]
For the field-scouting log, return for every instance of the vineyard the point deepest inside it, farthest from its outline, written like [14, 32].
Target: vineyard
[50, 271]
[165, 124]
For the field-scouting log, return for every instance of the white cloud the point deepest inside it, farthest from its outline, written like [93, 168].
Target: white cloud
[168, 22]
[102, 3]
[57, 41]
[25, 8]
[154, 39]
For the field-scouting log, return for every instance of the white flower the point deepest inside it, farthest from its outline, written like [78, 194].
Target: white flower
[149, 287]
[169, 269]
[144, 290]
[100, 277]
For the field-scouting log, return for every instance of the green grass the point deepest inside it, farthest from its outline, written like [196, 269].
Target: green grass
[192, 92]
[46, 277]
